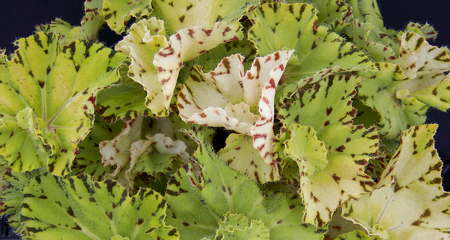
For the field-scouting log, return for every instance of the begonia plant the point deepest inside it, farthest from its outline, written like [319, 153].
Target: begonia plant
[224, 120]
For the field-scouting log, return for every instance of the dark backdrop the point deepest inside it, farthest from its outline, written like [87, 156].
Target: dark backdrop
[18, 18]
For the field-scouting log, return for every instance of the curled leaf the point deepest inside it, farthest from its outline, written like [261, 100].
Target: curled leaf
[118, 12]
[408, 200]
[228, 97]
[134, 151]
[202, 13]
[90, 24]
[402, 93]
[157, 61]
[295, 26]
[239, 154]
[330, 151]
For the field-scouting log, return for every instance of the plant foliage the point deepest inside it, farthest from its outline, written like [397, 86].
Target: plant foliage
[224, 120]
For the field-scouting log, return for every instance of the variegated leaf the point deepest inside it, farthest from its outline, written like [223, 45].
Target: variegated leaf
[243, 102]
[401, 93]
[316, 48]
[88, 159]
[202, 13]
[48, 95]
[408, 202]
[134, 151]
[78, 208]
[330, 150]
[118, 12]
[125, 99]
[157, 61]
[198, 205]
[239, 227]
[90, 24]
[239, 154]
[336, 14]
[426, 30]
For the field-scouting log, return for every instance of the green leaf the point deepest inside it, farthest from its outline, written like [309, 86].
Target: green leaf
[426, 30]
[340, 226]
[295, 26]
[118, 12]
[367, 31]
[378, 92]
[63, 28]
[402, 93]
[323, 107]
[134, 151]
[336, 14]
[198, 205]
[409, 199]
[240, 227]
[77, 208]
[212, 58]
[356, 235]
[307, 148]
[240, 155]
[11, 196]
[125, 99]
[202, 13]
[92, 20]
[88, 158]
[156, 61]
[90, 25]
[380, 44]
[367, 11]
[48, 92]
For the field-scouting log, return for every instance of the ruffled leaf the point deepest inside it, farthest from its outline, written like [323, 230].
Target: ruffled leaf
[227, 97]
[156, 61]
[426, 30]
[133, 152]
[356, 235]
[367, 11]
[380, 44]
[240, 227]
[408, 200]
[197, 205]
[401, 93]
[378, 92]
[239, 154]
[48, 92]
[204, 13]
[77, 208]
[323, 105]
[420, 60]
[118, 12]
[336, 14]
[88, 159]
[307, 149]
[90, 24]
[367, 31]
[315, 46]
[126, 99]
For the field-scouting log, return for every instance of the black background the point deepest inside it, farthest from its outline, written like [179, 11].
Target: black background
[18, 19]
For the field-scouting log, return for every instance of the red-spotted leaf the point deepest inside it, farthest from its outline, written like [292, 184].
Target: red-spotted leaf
[237, 100]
